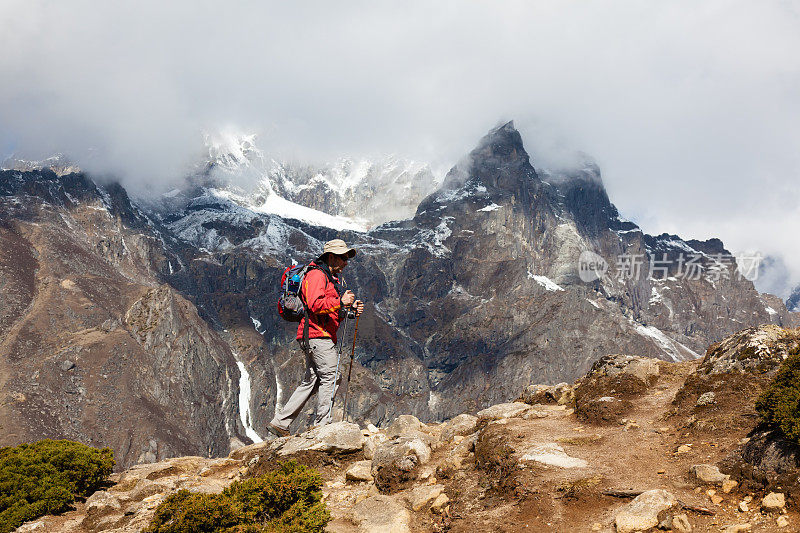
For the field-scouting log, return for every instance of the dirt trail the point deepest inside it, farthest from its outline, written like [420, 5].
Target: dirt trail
[640, 455]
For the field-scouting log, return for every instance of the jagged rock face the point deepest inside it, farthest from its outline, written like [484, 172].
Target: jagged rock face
[757, 350]
[474, 297]
[92, 347]
[793, 302]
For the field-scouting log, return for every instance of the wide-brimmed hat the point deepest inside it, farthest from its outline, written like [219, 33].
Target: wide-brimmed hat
[338, 247]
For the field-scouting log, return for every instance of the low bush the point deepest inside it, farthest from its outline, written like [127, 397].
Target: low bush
[779, 404]
[288, 499]
[45, 478]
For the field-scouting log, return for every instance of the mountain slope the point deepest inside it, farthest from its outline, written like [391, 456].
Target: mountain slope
[93, 346]
[477, 293]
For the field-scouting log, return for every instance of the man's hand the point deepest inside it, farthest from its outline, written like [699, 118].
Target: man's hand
[359, 307]
[348, 298]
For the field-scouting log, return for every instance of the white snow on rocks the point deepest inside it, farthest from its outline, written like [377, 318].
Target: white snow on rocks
[244, 402]
[673, 348]
[257, 325]
[490, 207]
[276, 205]
[545, 282]
[434, 239]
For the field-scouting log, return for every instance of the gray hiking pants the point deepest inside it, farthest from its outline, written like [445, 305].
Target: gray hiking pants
[319, 377]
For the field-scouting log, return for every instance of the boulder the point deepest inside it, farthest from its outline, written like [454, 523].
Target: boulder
[708, 474]
[419, 497]
[774, 501]
[359, 471]
[101, 506]
[340, 437]
[153, 471]
[728, 485]
[461, 425]
[643, 368]
[381, 514]
[404, 425]
[757, 349]
[642, 513]
[440, 503]
[408, 426]
[146, 488]
[743, 507]
[397, 462]
[220, 467]
[503, 410]
[551, 454]
[371, 444]
[561, 394]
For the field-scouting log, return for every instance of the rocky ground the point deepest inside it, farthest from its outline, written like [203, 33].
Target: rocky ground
[636, 444]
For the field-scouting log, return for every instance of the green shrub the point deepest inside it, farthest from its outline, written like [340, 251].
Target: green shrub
[46, 476]
[779, 404]
[288, 499]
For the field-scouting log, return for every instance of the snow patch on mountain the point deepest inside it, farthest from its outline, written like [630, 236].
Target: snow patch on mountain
[433, 239]
[244, 402]
[275, 205]
[676, 351]
[545, 282]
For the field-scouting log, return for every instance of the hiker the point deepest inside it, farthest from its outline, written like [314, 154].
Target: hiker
[327, 303]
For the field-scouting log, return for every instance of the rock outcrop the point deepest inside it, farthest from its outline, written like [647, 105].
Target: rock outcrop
[93, 346]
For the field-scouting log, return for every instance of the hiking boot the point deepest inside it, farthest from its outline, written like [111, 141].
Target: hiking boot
[279, 432]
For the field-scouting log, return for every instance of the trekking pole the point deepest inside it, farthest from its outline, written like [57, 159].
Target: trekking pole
[336, 375]
[350, 371]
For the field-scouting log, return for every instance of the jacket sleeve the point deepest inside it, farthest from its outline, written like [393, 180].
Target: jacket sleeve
[319, 300]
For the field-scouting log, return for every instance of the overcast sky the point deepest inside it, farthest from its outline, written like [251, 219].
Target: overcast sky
[691, 108]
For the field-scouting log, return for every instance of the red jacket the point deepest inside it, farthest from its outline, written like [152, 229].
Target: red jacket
[323, 304]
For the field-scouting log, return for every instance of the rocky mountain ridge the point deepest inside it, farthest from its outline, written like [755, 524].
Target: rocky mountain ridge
[475, 296]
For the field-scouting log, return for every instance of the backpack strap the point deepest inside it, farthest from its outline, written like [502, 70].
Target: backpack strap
[304, 344]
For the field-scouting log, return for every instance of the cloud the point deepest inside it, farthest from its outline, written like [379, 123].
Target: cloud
[689, 107]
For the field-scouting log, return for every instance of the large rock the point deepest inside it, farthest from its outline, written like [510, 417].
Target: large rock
[552, 454]
[708, 474]
[643, 368]
[372, 443]
[397, 462]
[404, 426]
[757, 349]
[561, 394]
[100, 507]
[642, 513]
[381, 514]
[340, 437]
[463, 424]
[419, 497]
[503, 410]
[359, 471]
[774, 501]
